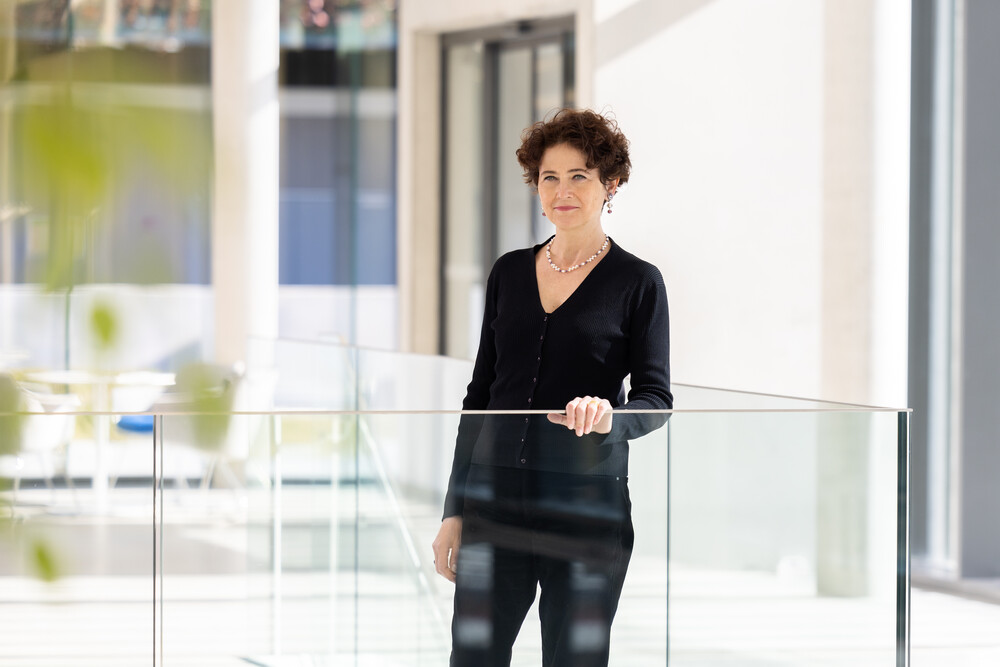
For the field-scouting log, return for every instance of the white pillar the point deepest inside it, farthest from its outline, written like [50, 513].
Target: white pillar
[109, 23]
[845, 512]
[245, 51]
[8, 46]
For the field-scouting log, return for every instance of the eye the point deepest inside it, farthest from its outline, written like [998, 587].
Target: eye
[579, 177]
[550, 177]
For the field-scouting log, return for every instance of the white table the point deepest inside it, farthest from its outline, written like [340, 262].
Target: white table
[9, 357]
[101, 384]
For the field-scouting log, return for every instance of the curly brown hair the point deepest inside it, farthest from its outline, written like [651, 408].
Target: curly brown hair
[596, 136]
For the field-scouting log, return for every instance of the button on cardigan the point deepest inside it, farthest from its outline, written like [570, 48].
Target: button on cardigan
[614, 325]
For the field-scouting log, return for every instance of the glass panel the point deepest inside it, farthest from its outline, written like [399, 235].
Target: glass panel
[692, 397]
[293, 543]
[524, 83]
[550, 94]
[783, 538]
[105, 178]
[337, 227]
[299, 375]
[550, 88]
[464, 217]
[75, 555]
[760, 537]
[515, 200]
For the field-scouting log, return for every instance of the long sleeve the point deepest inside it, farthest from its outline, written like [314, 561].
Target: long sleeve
[477, 397]
[649, 363]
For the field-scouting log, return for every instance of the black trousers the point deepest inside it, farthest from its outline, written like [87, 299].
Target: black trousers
[570, 535]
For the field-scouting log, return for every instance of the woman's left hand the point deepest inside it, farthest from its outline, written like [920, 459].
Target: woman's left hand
[585, 414]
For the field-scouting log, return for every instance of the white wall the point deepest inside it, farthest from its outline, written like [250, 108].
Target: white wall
[769, 152]
[723, 106]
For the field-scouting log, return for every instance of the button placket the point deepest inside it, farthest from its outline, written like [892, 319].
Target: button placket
[534, 385]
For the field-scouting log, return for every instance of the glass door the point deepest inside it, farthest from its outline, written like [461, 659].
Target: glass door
[497, 82]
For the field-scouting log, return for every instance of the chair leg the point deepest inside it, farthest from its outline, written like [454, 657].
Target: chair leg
[206, 480]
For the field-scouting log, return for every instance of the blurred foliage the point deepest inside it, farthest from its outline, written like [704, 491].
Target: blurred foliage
[86, 132]
[209, 391]
[35, 551]
[42, 559]
[40, 556]
[104, 325]
[81, 150]
[90, 151]
[11, 423]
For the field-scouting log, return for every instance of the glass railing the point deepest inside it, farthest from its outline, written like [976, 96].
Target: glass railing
[297, 530]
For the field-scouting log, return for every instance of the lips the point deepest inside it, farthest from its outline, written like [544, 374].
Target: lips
[565, 208]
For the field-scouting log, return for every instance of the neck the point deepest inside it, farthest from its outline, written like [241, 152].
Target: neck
[572, 246]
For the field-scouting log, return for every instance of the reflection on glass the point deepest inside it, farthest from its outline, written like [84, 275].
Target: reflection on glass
[759, 536]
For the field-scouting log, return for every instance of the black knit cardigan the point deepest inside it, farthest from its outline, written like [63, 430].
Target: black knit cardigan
[614, 325]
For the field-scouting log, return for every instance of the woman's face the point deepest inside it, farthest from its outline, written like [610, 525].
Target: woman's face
[572, 196]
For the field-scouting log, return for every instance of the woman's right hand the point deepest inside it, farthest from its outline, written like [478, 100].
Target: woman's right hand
[446, 546]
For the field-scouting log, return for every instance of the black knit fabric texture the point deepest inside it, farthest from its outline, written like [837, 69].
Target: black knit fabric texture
[614, 325]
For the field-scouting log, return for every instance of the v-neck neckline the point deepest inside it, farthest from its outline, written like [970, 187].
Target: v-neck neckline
[538, 289]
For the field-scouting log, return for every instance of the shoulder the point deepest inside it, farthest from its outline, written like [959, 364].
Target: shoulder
[641, 272]
[512, 273]
[514, 259]
[512, 265]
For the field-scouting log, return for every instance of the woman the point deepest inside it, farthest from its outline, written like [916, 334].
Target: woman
[544, 501]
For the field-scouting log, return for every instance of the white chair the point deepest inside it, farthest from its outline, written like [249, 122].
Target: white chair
[204, 388]
[47, 429]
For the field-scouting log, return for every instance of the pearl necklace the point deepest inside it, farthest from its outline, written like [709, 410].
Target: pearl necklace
[548, 256]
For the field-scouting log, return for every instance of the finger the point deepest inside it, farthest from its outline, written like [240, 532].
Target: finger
[602, 409]
[437, 561]
[557, 418]
[571, 413]
[448, 567]
[440, 558]
[444, 570]
[441, 564]
[593, 406]
[581, 415]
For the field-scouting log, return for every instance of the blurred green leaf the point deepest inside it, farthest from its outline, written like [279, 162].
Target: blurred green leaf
[11, 423]
[67, 155]
[210, 391]
[104, 325]
[43, 561]
[17, 538]
[83, 142]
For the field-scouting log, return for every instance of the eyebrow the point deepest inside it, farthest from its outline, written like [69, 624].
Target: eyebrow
[552, 171]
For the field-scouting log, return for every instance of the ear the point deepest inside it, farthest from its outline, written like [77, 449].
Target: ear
[612, 186]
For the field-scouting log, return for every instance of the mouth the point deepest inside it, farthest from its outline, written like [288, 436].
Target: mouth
[565, 208]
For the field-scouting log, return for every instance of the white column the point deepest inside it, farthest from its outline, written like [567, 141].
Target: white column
[245, 207]
[844, 511]
[109, 23]
[7, 207]
[8, 46]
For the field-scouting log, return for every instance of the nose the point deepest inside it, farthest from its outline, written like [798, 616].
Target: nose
[562, 189]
